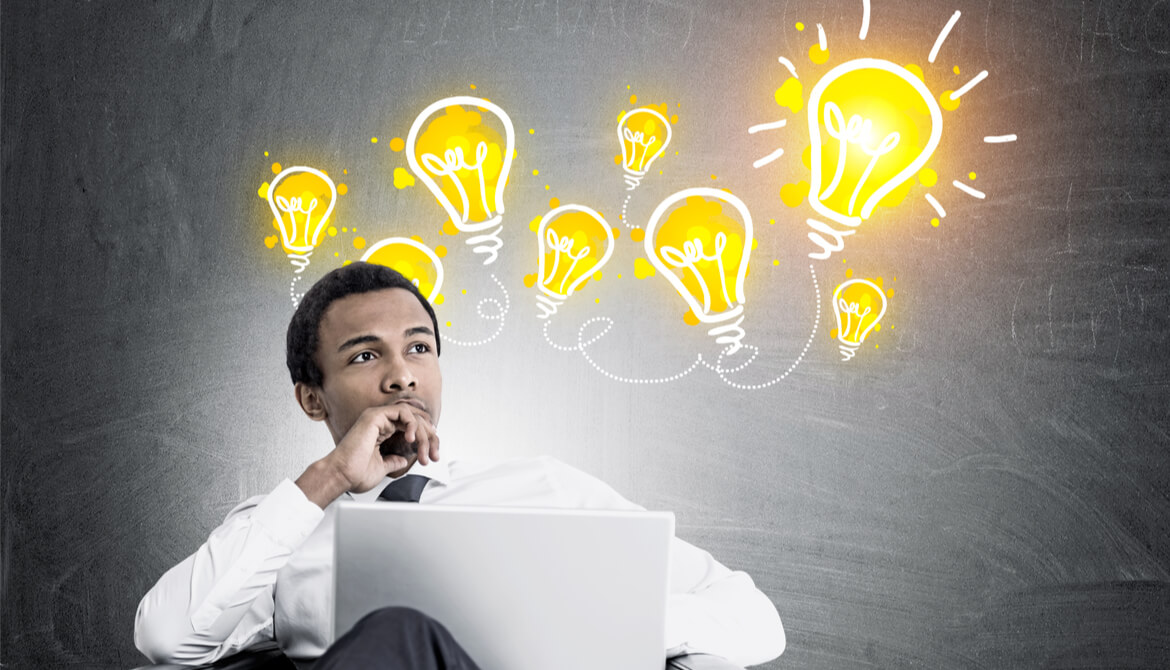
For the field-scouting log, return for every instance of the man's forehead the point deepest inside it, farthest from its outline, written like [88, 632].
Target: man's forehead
[385, 312]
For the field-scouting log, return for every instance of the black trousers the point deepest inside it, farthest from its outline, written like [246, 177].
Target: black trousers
[396, 638]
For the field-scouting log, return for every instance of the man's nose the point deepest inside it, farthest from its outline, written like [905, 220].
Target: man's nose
[398, 375]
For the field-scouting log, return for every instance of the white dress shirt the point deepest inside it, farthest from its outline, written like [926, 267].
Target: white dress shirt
[267, 572]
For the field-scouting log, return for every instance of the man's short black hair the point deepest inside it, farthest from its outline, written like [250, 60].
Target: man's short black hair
[304, 329]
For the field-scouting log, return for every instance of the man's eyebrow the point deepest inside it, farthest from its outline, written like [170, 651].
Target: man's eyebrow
[354, 341]
[418, 330]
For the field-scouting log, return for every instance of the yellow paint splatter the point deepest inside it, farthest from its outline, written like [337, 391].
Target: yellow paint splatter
[799, 25]
[927, 177]
[597, 276]
[818, 55]
[342, 189]
[439, 299]
[633, 99]
[775, 262]
[755, 243]
[441, 251]
[359, 243]
[332, 230]
[532, 131]
[534, 224]
[617, 232]
[956, 69]
[806, 157]
[690, 319]
[916, 71]
[637, 234]
[617, 159]
[848, 273]
[265, 153]
[934, 222]
[464, 291]
[346, 262]
[535, 172]
[554, 203]
[448, 324]
[793, 194]
[529, 280]
[373, 140]
[713, 177]
[947, 102]
[547, 187]
[643, 268]
[833, 333]
[790, 94]
[971, 176]
[890, 294]
[397, 144]
[402, 178]
[263, 191]
[416, 238]
[449, 228]
[271, 241]
[597, 301]
[472, 86]
[276, 168]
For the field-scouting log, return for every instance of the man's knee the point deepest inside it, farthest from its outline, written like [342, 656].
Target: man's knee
[397, 617]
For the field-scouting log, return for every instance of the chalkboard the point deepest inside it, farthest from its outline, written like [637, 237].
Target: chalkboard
[983, 484]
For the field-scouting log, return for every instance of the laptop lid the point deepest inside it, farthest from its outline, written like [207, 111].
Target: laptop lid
[518, 588]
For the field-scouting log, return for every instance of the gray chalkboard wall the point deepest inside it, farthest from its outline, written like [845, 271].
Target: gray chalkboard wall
[987, 487]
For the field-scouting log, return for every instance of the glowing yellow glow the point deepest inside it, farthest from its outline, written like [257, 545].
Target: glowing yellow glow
[413, 259]
[301, 199]
[644, 134]
[402, 178]
[794, 194]
[790, 94]
[818, 55]
[467, 155]
[928, 177]
[873, 125]
[397, 144]
[575, 242]
[859, 305]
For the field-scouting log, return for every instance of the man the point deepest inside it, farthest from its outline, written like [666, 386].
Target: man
[363, 352]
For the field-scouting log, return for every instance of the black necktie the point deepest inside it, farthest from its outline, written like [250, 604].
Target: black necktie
[407, 488]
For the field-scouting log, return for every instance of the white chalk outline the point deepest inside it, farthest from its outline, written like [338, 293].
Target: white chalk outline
[968, 190]
[822, 42]
[814, 104]
[549, 302]
[942, 213]
[788, 64]
[864, 20]
[849, 346]
[634, 177]
[999, 139]
[461, 219]
[767, 126]
[299, 253]
[721, 332]
[769, 158]
[938, 42]
[955, 95]
[390, 241]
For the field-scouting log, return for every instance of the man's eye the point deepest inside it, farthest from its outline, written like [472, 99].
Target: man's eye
[364, 357]
[420, 347]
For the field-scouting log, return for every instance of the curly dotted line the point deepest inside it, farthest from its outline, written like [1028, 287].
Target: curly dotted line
[581, 346]
[816, 324]
[554, 345]
[292, 291]
[624, 217]
[488, 317]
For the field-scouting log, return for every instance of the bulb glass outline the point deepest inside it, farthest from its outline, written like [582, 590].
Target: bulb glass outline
[852, 129]
[300, 239]
[566, 259]
[854, 303]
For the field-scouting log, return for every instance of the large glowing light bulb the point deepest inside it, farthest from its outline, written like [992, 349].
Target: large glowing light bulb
[573, 243]
[414, 260]
[302, 199]
[702, 247]
[873, 125]
[643, 134]
[463, 155]
[859, 305]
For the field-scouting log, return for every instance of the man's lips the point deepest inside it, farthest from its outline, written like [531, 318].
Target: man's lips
[413, 402]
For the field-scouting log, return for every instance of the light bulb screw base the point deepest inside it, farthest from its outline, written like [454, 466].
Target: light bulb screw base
[547, 306]
[300, 261]
[488, 243]
[848, 351]
[730, 334]
[632, 179]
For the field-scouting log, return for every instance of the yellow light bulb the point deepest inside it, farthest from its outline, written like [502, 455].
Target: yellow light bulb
[859, 305]
[643, 134]
[301, 199]
[702, 247]
[573, 242]
[463, 155]
[413, 259]
[873, 125]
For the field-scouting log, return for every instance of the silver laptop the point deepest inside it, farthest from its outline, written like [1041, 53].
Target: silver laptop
[519, 588]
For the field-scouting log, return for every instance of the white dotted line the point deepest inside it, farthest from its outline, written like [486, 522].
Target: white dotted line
[499, 316]
[554, 345]
[624, 217]
[816, 324]
[292, 292]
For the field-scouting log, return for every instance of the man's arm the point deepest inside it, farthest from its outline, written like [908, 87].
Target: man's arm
[219, 600]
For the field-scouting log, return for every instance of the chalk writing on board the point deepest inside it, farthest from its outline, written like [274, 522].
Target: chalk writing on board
[573, 243]
[463, 155]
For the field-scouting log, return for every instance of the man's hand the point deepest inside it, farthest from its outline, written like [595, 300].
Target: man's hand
[385, 440]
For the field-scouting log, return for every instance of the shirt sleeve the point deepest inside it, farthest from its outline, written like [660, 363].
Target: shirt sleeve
[219, 600]
[711, 609]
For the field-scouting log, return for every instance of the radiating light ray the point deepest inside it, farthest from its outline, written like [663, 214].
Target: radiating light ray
[769, 158]
[969, 85]
[767, 126]
[943, 35]
[788, 64]
[968, 190]
[864, 19]
[821, 38]
[942, 213]
[999, 139]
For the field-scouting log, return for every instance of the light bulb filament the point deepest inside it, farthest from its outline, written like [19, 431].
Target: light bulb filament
[855, 131]
[637, 139]
[850, 310]
[692, 253]
[292, 207]
[453, 162]
[562, 245]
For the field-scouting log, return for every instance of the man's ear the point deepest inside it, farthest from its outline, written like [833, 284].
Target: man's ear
[309, 398]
